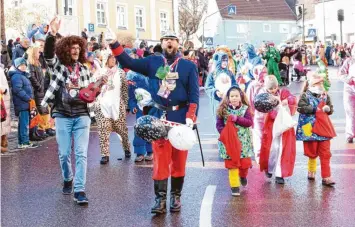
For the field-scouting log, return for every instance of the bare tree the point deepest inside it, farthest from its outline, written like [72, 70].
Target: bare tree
[2, 19]
[190, 15]
[20, 18]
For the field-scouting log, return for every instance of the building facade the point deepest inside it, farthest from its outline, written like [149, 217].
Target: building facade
[145, 19]
[253, 21]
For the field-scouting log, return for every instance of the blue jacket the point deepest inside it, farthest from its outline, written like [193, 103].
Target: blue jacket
[21, 90]
[187, 88]
[17, 52]
[31, 32]
[135, 80]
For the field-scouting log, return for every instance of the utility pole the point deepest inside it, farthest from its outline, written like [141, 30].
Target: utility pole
[324, 19]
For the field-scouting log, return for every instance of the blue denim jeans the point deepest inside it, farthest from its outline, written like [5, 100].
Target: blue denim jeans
[79, 127]
[23, 132]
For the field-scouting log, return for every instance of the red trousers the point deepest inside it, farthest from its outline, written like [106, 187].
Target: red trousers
[245, 164]
[313, 149]
[167, 160]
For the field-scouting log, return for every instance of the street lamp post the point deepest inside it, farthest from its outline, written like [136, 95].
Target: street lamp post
[324, 20]
[203, 24]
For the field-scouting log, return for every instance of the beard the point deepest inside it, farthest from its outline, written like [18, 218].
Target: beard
[170, 52]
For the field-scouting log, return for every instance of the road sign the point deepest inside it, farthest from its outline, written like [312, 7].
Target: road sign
[91, 27]
[209, 41]
[232, 10]
[312, 32]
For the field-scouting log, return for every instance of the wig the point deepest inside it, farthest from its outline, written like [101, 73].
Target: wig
[63, 49]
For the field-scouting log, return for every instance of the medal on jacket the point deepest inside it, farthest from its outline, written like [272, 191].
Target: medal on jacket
[168, 78]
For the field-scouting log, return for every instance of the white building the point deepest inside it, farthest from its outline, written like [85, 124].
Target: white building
[332, 25]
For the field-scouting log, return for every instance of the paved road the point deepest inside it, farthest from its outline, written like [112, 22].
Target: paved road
[121, 193]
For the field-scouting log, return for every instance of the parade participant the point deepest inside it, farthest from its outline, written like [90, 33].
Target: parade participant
[249, 61]
[110, 108]
[174, 88]
[259, 73]
[219, 80]
[347, 75]
[323, 68]
[138, 83]
[234, 111]
[273, 58]
[65, 60]
[282, 166]
[314, 99]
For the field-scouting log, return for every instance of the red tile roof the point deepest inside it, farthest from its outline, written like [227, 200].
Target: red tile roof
[258, 10]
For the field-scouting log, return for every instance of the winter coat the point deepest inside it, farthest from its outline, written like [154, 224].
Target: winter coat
[5, 59]
[18, 52]
[21, 90]
[6, 125]
[37, 81]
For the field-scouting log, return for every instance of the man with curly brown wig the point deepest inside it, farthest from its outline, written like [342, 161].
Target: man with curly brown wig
[65, 60]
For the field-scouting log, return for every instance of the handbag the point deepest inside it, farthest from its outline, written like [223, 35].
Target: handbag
[34, 115]
[283, 121]
[3, 110]
[323, 125]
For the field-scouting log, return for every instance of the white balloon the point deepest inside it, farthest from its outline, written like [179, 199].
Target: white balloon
[182, 137]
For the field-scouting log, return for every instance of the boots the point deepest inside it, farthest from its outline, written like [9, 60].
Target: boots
[160, 188]
[175, 193]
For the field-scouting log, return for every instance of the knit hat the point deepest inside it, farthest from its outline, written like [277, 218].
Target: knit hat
[314, 78]
[20, 61]
[270, 82]
[90, 54]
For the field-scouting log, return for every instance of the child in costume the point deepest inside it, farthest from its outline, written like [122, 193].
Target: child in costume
[249, 61]
[273, 58]
[235, 144]
[347, 75]
[271, 161]
[312, 100]
[138, 82]
[219, 80]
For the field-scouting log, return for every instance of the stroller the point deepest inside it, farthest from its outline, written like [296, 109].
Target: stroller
[299, 70]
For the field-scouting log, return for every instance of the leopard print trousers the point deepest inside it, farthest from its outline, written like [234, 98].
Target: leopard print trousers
[107, 125]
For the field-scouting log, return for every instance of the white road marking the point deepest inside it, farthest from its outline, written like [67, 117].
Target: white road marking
[206, 206]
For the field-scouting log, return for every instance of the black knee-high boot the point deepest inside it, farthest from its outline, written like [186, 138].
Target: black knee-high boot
[175, 193]
[160, 189]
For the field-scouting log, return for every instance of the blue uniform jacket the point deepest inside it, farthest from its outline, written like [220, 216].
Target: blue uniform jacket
[187, 88]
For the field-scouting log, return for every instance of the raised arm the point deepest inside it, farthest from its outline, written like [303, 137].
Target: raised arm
[138, 65]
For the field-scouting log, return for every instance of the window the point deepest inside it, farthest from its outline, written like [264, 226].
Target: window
[100, 12]
[284, 28]
[242, 28]
[68, 7]
[122, 16]
[267, 27]
[164, 25]
[139, 11]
